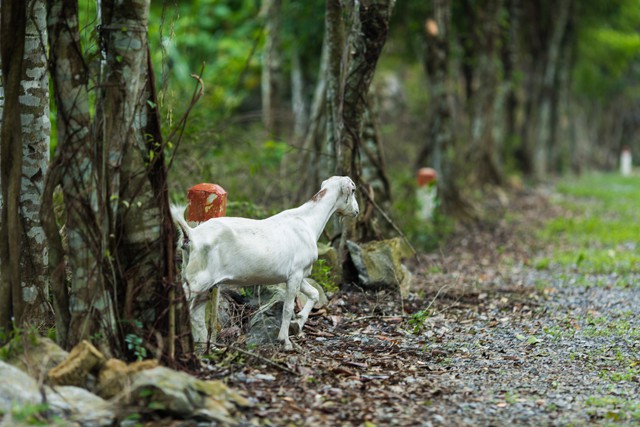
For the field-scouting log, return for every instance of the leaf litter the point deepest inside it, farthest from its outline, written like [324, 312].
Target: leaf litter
[481, 338]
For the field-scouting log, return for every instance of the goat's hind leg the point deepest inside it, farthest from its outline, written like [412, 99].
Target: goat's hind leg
[312, 298]
[293, 285]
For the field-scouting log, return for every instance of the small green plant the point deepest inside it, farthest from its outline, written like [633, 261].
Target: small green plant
[417, 320]
[36, 414]
[323, 275]
[135, 344]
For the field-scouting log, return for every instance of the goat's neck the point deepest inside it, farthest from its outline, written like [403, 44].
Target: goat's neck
[316, 213]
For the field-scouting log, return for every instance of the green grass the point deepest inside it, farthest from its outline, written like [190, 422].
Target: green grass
[601, 234]
[613, 408]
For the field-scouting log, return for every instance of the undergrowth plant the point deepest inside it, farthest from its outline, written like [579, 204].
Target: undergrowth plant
[322, 274]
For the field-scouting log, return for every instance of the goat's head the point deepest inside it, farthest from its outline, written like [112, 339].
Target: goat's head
[346, 203]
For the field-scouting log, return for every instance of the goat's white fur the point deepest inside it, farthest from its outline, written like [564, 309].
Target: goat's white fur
[246, 252]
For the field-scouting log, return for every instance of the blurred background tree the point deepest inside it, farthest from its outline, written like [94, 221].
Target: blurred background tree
[490, 93]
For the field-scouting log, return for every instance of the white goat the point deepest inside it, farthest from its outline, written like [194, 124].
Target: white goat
[246, 252]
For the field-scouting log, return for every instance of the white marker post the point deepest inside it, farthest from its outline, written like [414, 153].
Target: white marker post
[625, 161]
[427, 193]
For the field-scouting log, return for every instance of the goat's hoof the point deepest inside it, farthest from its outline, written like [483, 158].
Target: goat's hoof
[290, 346]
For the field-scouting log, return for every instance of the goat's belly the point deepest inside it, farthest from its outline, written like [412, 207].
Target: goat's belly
[260, 269]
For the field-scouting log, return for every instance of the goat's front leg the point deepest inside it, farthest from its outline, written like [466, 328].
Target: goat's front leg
[312, 298]
[198, 324]
[293, 285]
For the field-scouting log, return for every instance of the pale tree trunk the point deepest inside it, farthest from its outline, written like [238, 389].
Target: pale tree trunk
[131, 216]
[336, 45]
[36, 129]
[90, 307]
[298, 103]
[314, 160]
[12, 27]
[272, 80]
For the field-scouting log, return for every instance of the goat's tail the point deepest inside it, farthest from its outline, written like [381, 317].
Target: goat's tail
[177, 212]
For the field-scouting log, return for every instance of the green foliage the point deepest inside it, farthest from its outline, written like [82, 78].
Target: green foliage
[185, 35]
[16, 337]
[322, 274]
[418, 319]
[36, 414]
[608, 48]
[136, 344]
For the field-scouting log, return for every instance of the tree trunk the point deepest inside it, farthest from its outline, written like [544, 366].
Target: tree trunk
[90, 305]
[367, 36]
[272, 80]
[485, 99]
[12, 27]
[36, 129]
[314, 159]
[538, 127]
[298, 103]
[440, 134]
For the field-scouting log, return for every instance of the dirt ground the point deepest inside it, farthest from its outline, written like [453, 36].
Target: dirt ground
[482, 339]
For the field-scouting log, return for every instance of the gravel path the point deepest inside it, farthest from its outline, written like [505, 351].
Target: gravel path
[482, 339]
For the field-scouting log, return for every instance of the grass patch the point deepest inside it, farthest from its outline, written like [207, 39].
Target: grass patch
[601, 233]
[613, 408]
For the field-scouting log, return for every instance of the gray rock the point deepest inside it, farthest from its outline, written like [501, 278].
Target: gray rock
[34, 355]
[184, 396]
[71, 404]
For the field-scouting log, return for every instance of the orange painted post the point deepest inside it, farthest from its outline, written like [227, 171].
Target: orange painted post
[427, 192]
[206, 201]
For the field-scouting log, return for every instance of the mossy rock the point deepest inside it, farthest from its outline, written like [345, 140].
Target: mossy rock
[379, 264]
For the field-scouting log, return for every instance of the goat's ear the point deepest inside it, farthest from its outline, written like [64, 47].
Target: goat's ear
[346, 186]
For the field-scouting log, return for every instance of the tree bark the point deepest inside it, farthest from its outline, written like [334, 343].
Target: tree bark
[89, 303]
[12, 27]
[36, 130]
